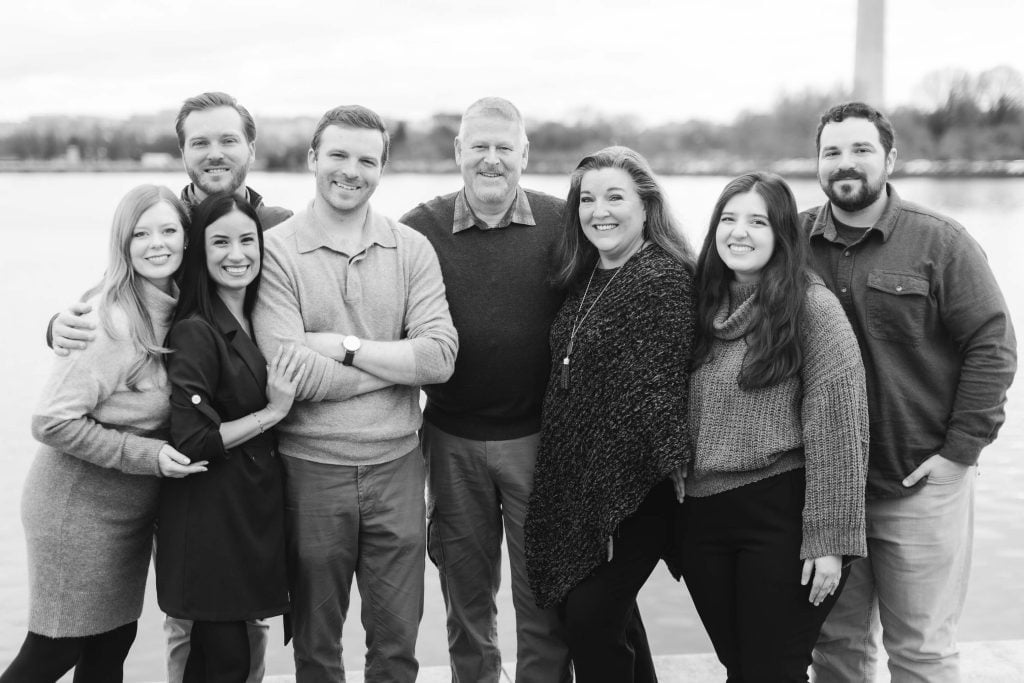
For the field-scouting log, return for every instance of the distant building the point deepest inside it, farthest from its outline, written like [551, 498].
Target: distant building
[73, 155]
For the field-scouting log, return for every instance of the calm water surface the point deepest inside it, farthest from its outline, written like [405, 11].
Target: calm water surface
[54, 230]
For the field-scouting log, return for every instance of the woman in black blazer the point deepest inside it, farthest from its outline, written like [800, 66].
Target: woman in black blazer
[220, 542]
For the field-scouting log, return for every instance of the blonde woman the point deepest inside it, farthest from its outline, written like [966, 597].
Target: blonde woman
[91, 495]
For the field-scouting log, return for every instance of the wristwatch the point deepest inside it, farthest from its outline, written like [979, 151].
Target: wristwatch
[351, 344]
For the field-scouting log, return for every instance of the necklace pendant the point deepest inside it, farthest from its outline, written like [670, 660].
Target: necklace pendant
[565, 373]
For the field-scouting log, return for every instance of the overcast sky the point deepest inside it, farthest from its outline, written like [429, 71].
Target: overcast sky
[656, 59]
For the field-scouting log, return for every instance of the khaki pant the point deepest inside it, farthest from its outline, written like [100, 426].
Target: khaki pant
[178, 632]
[911, 587]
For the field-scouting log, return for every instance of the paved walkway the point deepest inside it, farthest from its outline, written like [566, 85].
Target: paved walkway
[1000, 661]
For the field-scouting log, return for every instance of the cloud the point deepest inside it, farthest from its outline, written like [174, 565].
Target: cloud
[657, 59]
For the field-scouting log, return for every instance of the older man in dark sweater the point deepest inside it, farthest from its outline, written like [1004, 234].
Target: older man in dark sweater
[481, 428]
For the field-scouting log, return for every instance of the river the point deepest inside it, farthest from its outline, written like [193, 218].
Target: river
[55, 228]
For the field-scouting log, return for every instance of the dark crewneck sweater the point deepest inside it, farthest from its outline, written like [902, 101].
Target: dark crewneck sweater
[497, 283]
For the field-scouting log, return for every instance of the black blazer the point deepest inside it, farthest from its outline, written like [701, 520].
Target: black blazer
[220, 541]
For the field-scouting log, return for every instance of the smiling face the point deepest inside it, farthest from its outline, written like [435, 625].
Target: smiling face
[157, 243]
[347, 166]
[744, 237]
[491, 153]
[232, 252]
[852, 164]
[216, 154]
[612, 214]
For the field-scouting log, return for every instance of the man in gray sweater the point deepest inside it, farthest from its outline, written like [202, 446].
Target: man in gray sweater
[362, 296]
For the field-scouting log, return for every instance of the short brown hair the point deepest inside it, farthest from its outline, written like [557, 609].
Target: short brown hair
[212, 100]
[353, 116]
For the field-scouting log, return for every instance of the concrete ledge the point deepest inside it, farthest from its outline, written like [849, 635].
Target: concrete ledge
[997, 661]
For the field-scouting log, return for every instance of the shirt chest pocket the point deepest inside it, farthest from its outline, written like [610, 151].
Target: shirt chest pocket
[897, 304]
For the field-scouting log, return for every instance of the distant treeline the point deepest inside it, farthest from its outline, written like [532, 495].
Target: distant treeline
[960, 121]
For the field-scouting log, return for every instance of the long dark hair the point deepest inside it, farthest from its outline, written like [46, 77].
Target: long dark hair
[575, 255]
[774, 352]
[196, 285]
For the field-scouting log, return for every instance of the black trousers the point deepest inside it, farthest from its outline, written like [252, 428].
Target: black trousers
[96, 659]
[606, 636]
[218, 653]
[741, 562]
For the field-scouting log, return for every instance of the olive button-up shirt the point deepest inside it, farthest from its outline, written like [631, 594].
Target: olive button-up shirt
[934, 330]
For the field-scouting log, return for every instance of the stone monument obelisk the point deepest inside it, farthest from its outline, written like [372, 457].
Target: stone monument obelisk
[868, 68]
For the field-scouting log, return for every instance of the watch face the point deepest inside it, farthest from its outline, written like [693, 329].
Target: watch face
[350, 343]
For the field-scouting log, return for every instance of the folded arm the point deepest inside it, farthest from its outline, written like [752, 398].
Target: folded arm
[427, 353]
[277, 321]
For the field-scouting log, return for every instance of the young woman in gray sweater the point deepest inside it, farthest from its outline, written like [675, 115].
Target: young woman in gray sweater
[778, 414]
[90, 498]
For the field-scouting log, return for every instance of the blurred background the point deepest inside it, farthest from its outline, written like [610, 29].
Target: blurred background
[705, 89]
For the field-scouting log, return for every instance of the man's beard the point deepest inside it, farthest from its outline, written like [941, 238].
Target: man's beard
[237, 174]
[858, 200]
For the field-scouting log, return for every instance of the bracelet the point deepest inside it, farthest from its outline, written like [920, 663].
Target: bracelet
[258, 423]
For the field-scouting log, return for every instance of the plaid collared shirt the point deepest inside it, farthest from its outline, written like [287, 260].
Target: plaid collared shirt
[520, 212]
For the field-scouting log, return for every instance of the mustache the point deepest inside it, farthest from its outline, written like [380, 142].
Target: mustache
[846, 174]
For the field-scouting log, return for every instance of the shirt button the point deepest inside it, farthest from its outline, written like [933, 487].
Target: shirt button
[843, 290]
[846, 253]
[196, 400]
[899, 288]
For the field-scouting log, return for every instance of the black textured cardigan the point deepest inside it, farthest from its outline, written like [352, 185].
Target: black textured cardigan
[621, 425]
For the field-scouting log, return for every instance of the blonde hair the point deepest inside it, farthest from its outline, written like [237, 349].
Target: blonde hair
[119, 290]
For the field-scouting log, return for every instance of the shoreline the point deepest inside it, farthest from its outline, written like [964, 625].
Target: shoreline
[789, 168]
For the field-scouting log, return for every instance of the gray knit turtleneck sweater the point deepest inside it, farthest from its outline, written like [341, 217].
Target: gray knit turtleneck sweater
[817, 420]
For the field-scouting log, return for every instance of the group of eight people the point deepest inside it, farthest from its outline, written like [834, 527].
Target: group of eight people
[596, 394]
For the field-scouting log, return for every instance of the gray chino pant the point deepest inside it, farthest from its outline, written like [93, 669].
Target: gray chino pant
[368, 521]
[475, 486]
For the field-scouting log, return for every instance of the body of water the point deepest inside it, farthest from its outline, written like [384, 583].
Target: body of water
[54, 230]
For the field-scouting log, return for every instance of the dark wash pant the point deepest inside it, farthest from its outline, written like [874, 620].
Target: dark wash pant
[741, 562]
[606, 635]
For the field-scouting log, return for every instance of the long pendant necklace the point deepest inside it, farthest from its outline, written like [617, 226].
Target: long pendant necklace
[578, 321]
